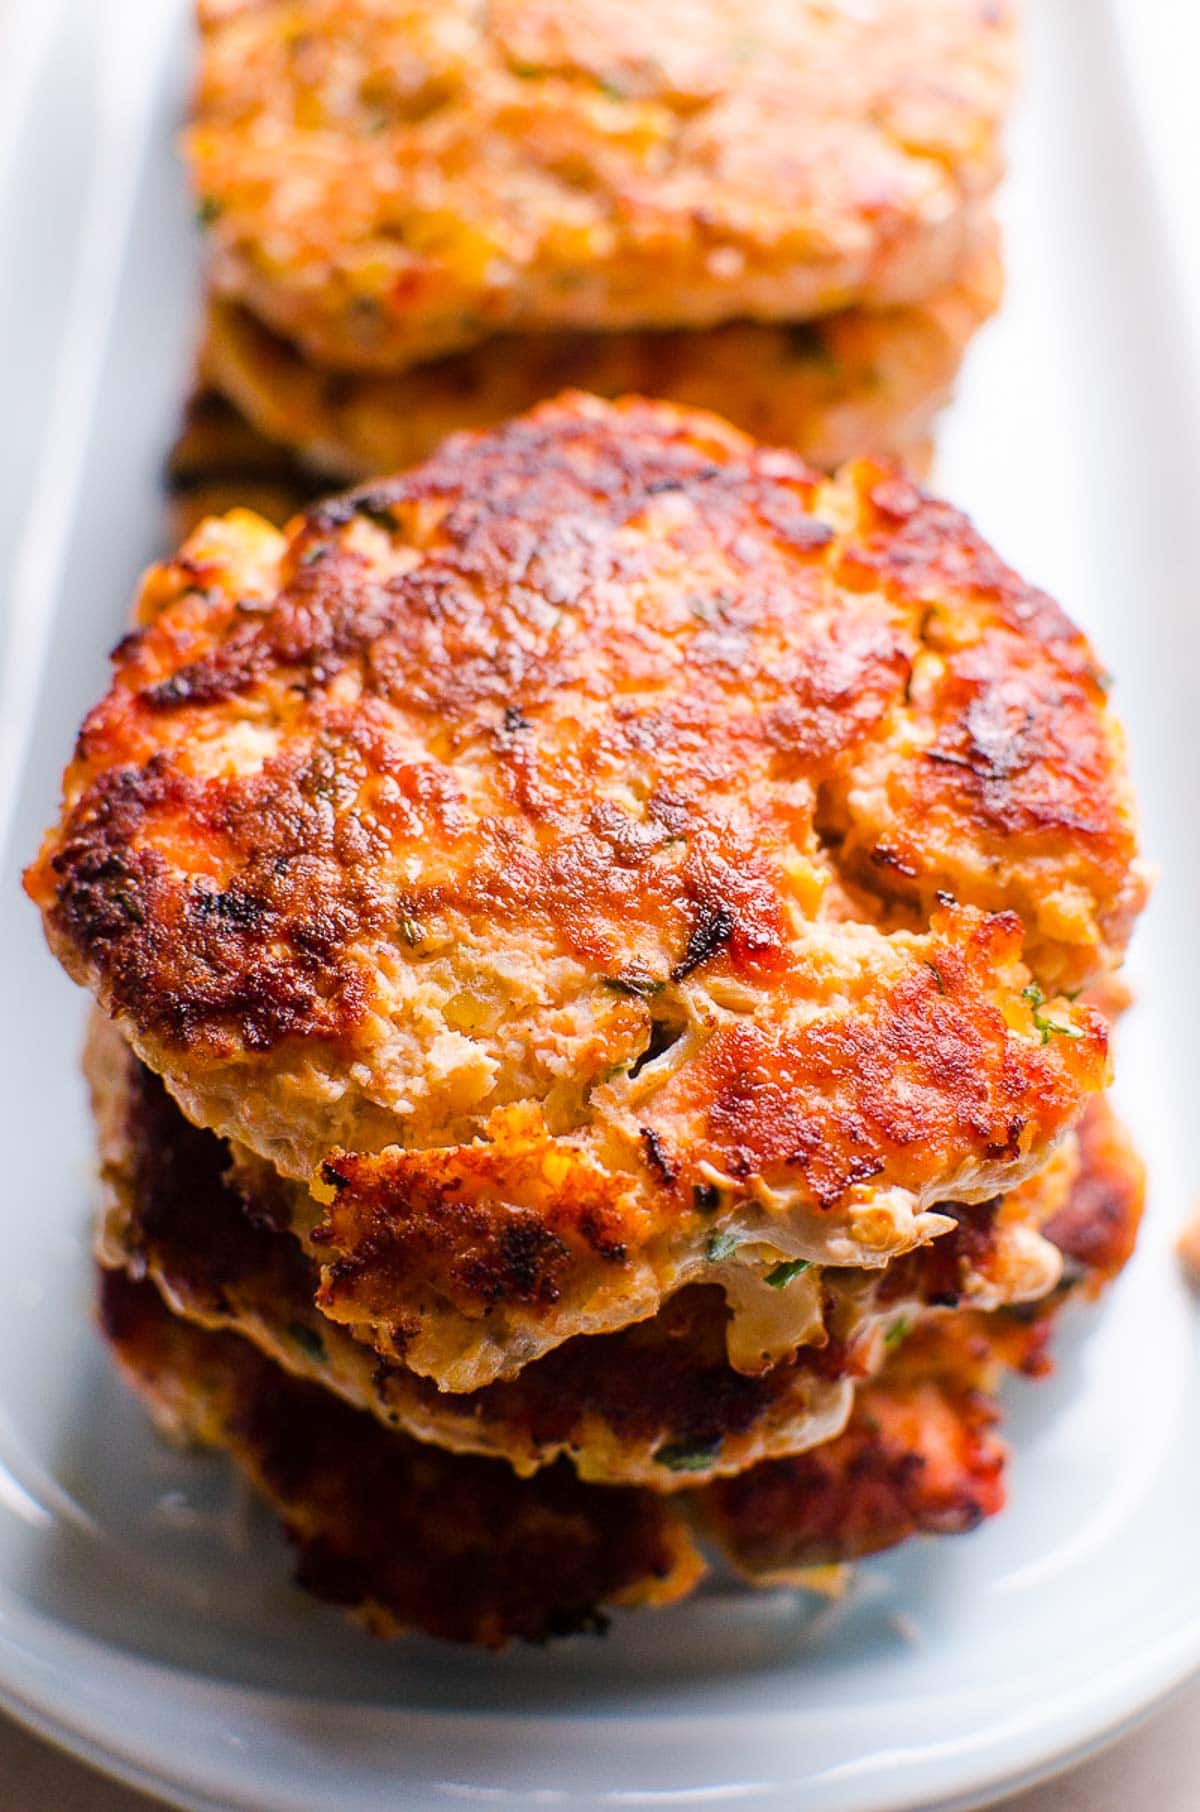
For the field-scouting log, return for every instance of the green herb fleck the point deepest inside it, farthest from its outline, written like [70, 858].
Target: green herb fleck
[208, 209]
[312, 555]
[938, 977]
[688, 1456]
[635, 979]
[782, 1275]
[897, 1332]
[411, 930]
[1033, 994]
[719, 1246]
[308, 1340]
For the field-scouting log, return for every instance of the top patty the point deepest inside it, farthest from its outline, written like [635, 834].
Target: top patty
[567, 831]
[386, 183]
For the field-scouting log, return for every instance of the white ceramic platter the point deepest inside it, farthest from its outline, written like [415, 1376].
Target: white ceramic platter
[145, 1615]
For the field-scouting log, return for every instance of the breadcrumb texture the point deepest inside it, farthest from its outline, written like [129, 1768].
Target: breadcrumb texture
[608, 835]
[851, 383]
[657, 1403]
[383, 184]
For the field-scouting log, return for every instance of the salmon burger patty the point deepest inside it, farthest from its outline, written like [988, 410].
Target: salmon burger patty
[383, 184]
[406, 1536]
[608, 837]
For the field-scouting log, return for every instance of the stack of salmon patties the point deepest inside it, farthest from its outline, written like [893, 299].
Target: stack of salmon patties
[424, 216]
[602, 947]
[603, 943]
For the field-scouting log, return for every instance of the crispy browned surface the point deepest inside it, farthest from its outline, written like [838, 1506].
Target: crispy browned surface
[750, 1104]
[851, 383]
[436, 830]
[1096, 1229]
[625, 1407]
[412, 1537]
[920, 1453]
[657, 1403]
[385, 184]
[920, 1457]
[407, 1537]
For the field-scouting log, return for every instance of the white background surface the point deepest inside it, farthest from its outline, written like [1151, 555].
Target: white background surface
[1157, 1770]
[1159, 1766]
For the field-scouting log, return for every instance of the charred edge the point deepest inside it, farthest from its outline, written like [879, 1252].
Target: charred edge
[523, 1266]
[713, 927]
[657, 1158]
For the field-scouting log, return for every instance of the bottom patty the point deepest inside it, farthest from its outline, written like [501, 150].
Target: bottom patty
[408, 1536]
[405, 1535]
[656, 1403]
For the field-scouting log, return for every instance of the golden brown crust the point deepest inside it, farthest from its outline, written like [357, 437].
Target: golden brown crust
[835, 388]
[410, 1537]
[528, 831]
[1003, 710]
[657, 1403]
[405, 1536]
[513, 1235]
[920, 1458]
[384, 185]
[920, 1453]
